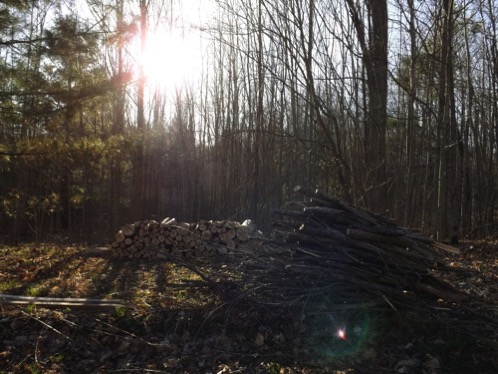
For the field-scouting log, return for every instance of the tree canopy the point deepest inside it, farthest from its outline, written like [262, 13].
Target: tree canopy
[389, 106]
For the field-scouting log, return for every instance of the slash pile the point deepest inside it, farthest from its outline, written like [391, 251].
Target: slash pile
[353, 256]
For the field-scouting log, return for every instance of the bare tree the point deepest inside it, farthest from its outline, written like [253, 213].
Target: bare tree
[372, 34]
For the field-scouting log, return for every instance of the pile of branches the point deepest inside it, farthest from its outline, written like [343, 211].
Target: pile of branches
[325, 248]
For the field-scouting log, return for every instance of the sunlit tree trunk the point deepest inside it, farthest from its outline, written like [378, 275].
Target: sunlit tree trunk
[118, 124]
[138, 198]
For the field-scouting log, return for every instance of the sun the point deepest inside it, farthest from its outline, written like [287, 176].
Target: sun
[171, 58]
[176, 50]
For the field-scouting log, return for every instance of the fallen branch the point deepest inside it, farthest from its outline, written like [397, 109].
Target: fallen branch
[56, 302]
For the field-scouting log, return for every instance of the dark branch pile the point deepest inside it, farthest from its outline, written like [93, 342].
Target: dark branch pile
[328, 248]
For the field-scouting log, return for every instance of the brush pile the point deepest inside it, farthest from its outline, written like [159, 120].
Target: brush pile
[328, 248]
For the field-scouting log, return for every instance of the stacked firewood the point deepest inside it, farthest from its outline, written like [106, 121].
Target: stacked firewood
[153, 239]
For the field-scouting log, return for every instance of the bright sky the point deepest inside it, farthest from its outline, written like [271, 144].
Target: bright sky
[175, 50]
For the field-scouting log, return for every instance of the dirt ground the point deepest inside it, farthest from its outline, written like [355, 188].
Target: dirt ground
[170, 322]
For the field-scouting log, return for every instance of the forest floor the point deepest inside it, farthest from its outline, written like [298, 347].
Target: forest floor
[172, 323]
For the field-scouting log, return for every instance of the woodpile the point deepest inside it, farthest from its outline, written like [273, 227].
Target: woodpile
[153, 239]
[321, 249]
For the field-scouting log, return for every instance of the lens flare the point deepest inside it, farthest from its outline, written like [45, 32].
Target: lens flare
[341, 333]
[337, 334]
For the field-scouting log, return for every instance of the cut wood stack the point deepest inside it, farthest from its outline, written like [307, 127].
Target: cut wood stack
[153, 239]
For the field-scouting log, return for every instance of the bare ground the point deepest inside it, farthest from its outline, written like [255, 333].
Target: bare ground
[173, 323]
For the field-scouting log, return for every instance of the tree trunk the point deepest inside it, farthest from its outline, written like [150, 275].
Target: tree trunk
[139, 165]
[117, 128]
[375, 61]
[447, 213]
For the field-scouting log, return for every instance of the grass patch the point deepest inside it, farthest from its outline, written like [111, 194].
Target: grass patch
[9, 285]
[34, 291]
[56, 358]
[31, 308]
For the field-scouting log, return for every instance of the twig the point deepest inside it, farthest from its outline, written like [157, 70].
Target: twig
[46, 325]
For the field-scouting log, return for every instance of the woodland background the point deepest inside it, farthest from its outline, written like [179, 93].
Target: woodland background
[390, 105]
